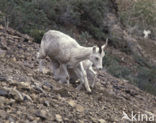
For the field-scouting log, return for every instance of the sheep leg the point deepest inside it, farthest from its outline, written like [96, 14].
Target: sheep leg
[78, 73]
[81, 73]
[91, 69]
[40, 57]
[80, 86]
[59, 71]
[93, 74]
[63, 67]
[54, 66]
[41, 61]
[94, 80]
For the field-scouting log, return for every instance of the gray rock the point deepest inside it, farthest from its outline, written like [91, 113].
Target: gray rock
[102, 121]
[41, 114]
[16, 94]
[63, 92]
[46, 103]
[2, 53]
[39, 89]
[11, 120]
[3, 78]
[3, 114]
[27, 97]
[79, 108]
[58, 118]
[3, 92]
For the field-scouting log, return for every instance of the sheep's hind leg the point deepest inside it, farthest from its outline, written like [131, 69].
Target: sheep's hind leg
[40, 57]
[78, 74]
[81, 73]
[41, 67]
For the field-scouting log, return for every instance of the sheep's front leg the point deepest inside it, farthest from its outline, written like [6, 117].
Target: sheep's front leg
[93, 75]
[91, 69]
[60, 72]
[63, 67]
[81, 73]
[54, 66]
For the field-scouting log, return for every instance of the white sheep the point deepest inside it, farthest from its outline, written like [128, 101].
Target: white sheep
[146, 33]
[91, 74]
[65, 51]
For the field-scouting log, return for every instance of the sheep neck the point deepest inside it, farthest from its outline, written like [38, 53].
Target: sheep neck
[83, 53]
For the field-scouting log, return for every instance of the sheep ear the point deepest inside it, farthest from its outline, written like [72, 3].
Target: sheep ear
[105, 45]
[94, 49]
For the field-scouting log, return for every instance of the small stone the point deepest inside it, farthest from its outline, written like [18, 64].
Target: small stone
[3, 92]
[46, 103]
[2, 101]
[45, 70]
[49, 85]
[36, 120]
[102, 121]
[11, 120]
[3, 114]
[2, 53]
[21, 85]
[39, 89]
[6, 101]
[34, 96]
[94, 120]
[25, 85]
[72, 103]
[81, 121]
[66, 119]
[58, 118]
[27, 97]
[1, 27]
[46, 88]
[30, 74]
[79, 108]
[3, 78]
[31, 118]
[63, 92]
[14, 59]
[42, 114]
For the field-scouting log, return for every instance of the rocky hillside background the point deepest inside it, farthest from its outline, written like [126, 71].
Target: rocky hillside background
[27, 95]
[91, 22]
[129, 65]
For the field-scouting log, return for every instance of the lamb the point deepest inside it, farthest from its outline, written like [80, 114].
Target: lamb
[91, 74]
[87, 64]
[65, 51]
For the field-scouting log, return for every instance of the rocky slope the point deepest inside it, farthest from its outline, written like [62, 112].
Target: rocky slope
[27, 95]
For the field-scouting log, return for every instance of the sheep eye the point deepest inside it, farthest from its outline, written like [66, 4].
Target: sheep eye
[97, 58]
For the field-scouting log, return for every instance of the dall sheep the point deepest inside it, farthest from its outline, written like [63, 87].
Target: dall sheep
[146, 33]
[91, 74]
[65, 51]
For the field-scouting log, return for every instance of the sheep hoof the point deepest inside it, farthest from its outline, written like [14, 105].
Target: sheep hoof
[92, 86]
[89, 90]
[68, 84]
